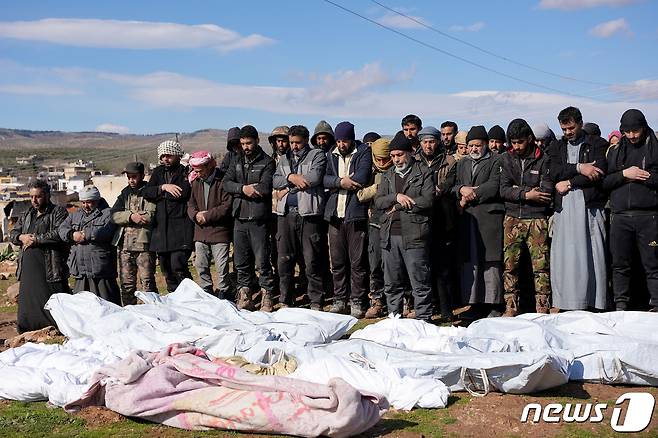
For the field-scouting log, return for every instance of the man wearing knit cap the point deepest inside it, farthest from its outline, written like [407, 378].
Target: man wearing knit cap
[349, 168]
[92, 261]
[461, 148]
[591, 128]
[406, 194]
[381, 162]
[299, 207]
[209, 208]
[497, 139]
[444, 218]
[526, 188]
[476, 186]
[232, 148]
[448, 132]
[544, 136]
[370, 138]
[323, 136]
[249, 180]
[134, 217]
[632, 181]
[579, 278]
[172, 234]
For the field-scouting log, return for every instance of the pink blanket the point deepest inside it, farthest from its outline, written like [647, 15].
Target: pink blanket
[181, 387]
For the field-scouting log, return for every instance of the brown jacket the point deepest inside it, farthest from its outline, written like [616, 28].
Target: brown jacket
[219, 225]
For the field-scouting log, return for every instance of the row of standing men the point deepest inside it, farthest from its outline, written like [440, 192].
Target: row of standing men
[429, 217]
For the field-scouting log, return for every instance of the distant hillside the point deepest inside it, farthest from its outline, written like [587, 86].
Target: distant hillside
[110, 151]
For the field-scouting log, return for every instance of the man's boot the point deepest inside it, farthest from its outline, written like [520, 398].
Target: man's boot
[511, 305]
[542, 304]
[376, 310]
[244, 299]
[266, 304]
[339, 306]
[356, 310]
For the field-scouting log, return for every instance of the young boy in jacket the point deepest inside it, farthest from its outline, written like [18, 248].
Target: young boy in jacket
[209, 208]
[526, 188]
[134, 216]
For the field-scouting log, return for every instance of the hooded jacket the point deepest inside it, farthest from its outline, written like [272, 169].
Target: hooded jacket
[633, 196]
[592, 149]
[519, 176]
[55, 251]
[243, 172]
[323, 128]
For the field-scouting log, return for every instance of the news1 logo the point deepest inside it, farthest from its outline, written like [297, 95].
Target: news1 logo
[638, 412]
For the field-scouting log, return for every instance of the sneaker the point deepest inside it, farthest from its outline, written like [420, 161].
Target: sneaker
[376, 310]
[266, 304]
[244, 299]
[621, 306]
[654, 309]
[316, 307]
[356, 311]
[339, 307]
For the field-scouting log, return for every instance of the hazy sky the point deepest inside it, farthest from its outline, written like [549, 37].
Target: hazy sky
[156, 66]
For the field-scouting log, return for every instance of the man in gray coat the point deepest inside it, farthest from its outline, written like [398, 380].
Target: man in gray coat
[299, 207]
[406, 194]
[93, 259]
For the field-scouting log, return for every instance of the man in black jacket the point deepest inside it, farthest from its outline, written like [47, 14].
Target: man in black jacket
[249, 180]
[526, 188]
[632, 181]
[172, 233]
[578, 246]
[42, 269]
[406, 194]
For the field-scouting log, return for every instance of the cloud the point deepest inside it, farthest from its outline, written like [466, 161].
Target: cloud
[610, 28]
[645, 89]
[129, 34]
[475, 27]
[570, 5]
[401, 22]
[38, 90]
[109, 127]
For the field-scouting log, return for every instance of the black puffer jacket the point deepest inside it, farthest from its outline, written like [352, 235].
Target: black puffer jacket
[633, 196]
[173, 229]
[519, 176]
[592, 149]
[55, 251]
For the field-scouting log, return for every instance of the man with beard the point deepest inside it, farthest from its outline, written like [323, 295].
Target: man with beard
[209, 208]
[249, 180]
[448, 132]
[349, 168]
[279, 141]
[461, 146]
[497, 139]
[405, 194]
[134, 218]
[42, 269]
[323, 136]
[411, 125]
[526, 187]
[381, 162]
[578, 246]
[172, 235]
[632, 181]
[444, 218]
[299, 180]
[93, 258]
[476, 186]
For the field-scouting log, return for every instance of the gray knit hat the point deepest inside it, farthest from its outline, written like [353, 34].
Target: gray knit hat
[322, 128]
[89, 193]
[430, 131]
